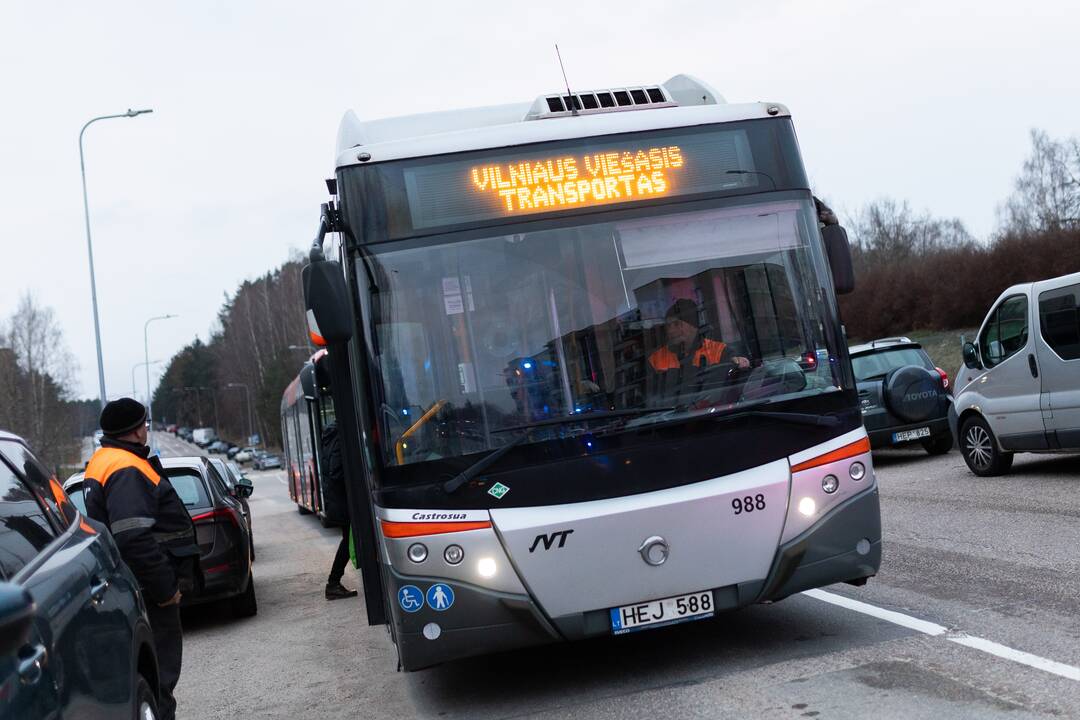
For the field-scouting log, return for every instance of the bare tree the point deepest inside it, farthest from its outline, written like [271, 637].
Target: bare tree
[1046, 195]
[887, 232]
[38, 369]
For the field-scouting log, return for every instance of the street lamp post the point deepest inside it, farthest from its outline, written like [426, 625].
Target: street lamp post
[90, 246]
[134, 392]
[247, 398]
[146, 356]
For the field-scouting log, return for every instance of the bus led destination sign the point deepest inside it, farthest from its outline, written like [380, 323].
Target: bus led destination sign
[569, 180]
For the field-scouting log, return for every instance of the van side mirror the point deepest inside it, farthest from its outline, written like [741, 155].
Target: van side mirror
[971, 356]
[326, 299]
[16, 618]
[839, 251]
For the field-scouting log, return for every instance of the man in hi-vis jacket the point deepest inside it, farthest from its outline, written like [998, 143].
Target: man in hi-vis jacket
[127, 489]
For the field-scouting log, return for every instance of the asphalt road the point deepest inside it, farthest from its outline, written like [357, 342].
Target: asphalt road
[982, 578]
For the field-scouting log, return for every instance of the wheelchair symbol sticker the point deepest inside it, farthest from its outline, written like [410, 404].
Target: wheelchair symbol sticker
[440, 597]
[410, 598]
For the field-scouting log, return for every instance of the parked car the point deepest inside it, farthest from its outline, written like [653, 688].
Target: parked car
[1019, 387]
[239, 487]
[231, 452]
[221, 532]
[184, 433]
[74, 636]
[203, 436]
[245, 455]
[266, 461]
[171, 428]
[217, 447]
[904, 397]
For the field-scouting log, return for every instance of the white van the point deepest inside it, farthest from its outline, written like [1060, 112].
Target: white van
[1019, 388]
[203, 436]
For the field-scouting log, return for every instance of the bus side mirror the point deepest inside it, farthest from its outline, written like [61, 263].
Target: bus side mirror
[326, 299]
[839, 252]
[971, 356]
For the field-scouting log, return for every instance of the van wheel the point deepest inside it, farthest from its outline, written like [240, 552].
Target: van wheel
[145, 701]
[980, 450]
[938, 445]
[244, 605]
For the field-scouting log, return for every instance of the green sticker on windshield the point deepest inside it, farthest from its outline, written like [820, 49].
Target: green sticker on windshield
[498, 490]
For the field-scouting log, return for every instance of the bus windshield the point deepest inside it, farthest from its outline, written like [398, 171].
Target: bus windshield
[677, 314]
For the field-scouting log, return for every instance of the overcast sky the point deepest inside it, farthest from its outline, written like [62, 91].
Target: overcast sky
[928, 101]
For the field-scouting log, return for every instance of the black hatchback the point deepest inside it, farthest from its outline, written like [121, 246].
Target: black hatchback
[74, 638]
[221, 531]
[904, 398]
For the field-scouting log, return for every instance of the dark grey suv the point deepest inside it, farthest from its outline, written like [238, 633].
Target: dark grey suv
[904, 397]
[74, 638]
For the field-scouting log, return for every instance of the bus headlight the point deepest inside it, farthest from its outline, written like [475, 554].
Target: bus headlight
[857, 471]
[807, 506]
[486, 567]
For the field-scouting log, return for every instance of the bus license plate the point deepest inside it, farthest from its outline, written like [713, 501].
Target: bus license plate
[658, 613]
[910, 434]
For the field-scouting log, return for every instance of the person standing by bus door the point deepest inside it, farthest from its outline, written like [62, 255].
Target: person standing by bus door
[337, 510]
[128, 491]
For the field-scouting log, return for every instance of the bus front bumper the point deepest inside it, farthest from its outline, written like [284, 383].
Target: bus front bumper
[843, 546]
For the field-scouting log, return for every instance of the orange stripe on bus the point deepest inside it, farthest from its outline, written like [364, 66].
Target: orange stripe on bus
[413, 529]
[856, 448]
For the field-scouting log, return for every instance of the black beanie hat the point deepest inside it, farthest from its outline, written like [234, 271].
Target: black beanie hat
[122, 416]
[685, 310]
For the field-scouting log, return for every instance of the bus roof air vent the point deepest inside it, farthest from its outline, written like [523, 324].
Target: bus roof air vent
[679, 90]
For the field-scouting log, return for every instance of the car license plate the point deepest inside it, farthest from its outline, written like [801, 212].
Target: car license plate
[911, 434]
[658, 613]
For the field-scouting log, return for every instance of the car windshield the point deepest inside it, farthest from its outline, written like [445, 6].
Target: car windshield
[878, 364]
[674, 314]
[189, 486]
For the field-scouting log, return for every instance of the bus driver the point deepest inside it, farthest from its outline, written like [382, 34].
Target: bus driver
[687, 349]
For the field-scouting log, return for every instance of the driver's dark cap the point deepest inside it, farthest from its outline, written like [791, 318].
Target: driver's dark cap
[685, 310]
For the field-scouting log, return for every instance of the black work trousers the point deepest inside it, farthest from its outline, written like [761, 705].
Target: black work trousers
[341, 558]
[169, 643]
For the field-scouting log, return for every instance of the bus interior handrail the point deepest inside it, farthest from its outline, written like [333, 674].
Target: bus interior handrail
[399, 446]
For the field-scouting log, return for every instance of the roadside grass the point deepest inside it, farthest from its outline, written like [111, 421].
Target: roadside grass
[943, 346]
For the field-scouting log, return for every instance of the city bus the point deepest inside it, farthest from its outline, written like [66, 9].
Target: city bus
[306, 409]
[588, 367]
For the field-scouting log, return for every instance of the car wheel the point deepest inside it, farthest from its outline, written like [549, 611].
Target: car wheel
[980, 450]
[145, 701]
[938, 445]
[244, 605]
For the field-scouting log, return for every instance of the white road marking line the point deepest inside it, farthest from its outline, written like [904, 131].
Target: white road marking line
[923, 626]
[1005, 652]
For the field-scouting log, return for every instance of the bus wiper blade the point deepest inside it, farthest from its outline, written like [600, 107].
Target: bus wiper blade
[485, 462]
[480, 465]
